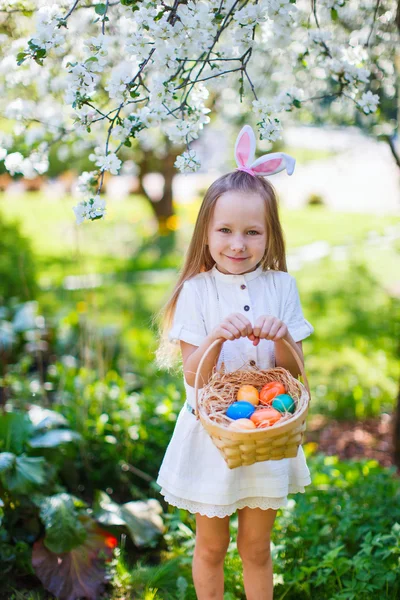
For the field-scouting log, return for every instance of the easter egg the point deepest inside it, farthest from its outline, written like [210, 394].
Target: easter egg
[265, 417]
[284, 403]
[240, 410]
[241, 424]
[270, 390]
[248, 393]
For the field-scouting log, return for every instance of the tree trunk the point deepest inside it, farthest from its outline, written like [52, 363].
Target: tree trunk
[163, 208]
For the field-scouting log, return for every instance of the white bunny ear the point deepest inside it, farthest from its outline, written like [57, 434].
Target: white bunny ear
[269, 164]
[245, 147]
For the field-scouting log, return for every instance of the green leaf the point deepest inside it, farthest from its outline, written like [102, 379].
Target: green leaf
[15, 430]
[100, 9]
[25, 474]
[142, 519]
[7, 460]
[60, 518]
[334, 14]
[54, 438]
[79, 573]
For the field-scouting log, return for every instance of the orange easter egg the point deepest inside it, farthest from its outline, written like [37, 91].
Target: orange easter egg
[266, 417]
[242, 424]
[248, 393]
[270, 391]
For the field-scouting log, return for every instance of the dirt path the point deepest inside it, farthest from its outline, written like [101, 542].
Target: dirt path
[371, 438]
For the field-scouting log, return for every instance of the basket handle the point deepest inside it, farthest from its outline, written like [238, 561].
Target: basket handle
[288, 344]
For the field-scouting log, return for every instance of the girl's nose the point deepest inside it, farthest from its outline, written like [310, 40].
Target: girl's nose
[238, 245]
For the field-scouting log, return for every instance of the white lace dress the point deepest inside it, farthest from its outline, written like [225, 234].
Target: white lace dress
[193, 474]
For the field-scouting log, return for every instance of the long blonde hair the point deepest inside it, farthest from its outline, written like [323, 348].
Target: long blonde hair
[198, 258]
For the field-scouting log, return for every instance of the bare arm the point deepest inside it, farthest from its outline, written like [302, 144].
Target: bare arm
[284, 358]
[233, 327]
[191, 356]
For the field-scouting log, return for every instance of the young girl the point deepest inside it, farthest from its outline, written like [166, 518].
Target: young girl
[234, 287]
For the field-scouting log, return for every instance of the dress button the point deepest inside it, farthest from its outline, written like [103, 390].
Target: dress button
[242, 287]
[252, 362]
[246, 307]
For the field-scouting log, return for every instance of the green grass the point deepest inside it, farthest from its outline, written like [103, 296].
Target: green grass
[64, 248]
[318, 223]
[50, 223]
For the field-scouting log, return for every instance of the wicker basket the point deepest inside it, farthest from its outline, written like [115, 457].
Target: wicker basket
[281, 440]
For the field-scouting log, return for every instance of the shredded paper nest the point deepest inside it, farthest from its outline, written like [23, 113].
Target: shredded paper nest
[221, 391]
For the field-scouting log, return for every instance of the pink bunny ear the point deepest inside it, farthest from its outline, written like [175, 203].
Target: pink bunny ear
[269, 164]
[245, 147]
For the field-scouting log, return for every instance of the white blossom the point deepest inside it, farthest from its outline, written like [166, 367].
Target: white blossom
[369, 102]
[85, 182]
[13, 162]
[106, 162]
[270, 129]
[187, 162]
[90, 210]
[120, 76]
[147, 74]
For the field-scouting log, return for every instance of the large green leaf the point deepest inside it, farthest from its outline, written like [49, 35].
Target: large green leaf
[15, 430]
[7, 460]
[54, 438]
[44, 419]
[79, 573]
[22, 474]
[142, 519]
[59, 515]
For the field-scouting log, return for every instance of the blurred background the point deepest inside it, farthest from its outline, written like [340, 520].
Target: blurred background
[81, 394]
[77, 343]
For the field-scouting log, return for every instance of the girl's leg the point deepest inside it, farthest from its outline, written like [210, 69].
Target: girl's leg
[253, 543]
[212, 540]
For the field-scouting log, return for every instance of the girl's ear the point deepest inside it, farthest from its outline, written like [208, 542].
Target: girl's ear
[273, 163]
[245, 147]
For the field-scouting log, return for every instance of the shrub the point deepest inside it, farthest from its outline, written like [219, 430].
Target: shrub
[17, 263]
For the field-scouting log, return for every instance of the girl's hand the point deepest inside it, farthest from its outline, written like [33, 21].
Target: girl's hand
[268, 328]
[233, 327]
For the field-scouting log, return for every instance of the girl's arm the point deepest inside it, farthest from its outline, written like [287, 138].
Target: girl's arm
[191, 356]
[284, 358]
[269, 327]
[232, 327]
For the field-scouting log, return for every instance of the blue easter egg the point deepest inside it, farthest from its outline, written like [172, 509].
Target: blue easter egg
[284, 403]
[240, 410]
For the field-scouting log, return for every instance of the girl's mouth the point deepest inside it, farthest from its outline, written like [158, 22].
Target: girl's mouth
[237, 258]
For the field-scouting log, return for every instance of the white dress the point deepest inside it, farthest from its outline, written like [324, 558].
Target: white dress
[193, 474]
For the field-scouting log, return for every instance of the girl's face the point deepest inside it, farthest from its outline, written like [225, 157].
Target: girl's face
[236, 235]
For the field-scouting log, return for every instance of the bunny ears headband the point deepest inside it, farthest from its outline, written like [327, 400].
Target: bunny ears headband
[268, 164]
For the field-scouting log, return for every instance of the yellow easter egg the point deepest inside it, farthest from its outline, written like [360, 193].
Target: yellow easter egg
[248, 393]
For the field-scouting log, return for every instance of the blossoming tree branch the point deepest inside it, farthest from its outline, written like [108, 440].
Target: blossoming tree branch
[103, 74]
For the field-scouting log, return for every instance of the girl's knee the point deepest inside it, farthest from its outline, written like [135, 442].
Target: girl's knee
[212, 551]
[256, 552]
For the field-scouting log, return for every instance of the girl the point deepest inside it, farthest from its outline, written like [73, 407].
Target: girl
[234, 287]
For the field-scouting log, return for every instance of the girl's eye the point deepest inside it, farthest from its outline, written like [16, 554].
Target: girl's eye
[252, 231]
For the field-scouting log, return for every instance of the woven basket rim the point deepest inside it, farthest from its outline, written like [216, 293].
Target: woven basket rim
[304, 398]
[276, 427]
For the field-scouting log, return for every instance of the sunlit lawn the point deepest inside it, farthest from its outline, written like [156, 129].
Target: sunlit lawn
[50, 223]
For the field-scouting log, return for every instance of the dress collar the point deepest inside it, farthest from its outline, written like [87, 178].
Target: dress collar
[228, 278]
